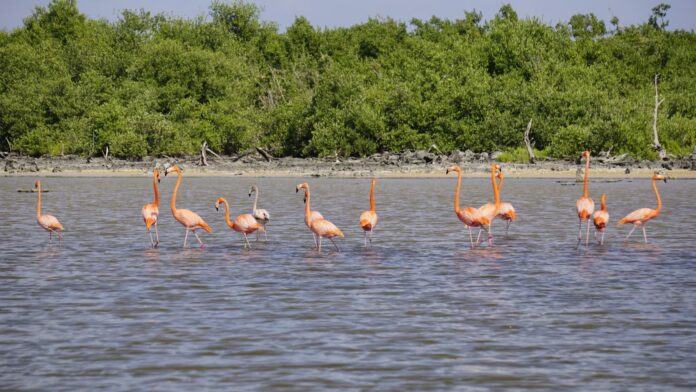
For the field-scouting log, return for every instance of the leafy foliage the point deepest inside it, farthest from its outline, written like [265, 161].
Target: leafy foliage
[154, 84]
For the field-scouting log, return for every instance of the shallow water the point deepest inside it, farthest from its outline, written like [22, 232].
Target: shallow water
[418, 310]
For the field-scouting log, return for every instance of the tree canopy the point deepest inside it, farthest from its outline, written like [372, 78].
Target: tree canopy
[159, 85]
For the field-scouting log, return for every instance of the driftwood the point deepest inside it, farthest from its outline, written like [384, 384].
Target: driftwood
[528, 143]
[32, 190]
[265, 154]
[105, 153]
[434, 147]
[656, 141]
[204, 156]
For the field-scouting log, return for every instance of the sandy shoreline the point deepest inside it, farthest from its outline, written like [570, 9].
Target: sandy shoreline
[384, 166]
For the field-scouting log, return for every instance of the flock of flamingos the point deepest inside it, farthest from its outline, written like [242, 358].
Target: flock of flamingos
[481, 218]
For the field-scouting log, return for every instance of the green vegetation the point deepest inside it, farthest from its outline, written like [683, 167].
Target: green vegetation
[157, 85]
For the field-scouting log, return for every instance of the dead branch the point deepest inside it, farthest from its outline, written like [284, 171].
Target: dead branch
[528, 143]
[204, 158]
[656, 141]
[265, 154]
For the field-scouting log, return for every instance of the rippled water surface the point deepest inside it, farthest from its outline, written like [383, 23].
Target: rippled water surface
[417, 311]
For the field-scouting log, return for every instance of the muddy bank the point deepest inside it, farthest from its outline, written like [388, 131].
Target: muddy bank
[408, 163]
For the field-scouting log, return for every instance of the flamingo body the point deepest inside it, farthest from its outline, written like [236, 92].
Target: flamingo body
[641, 216]
[471, 217]
[189, 219]
[368, 220]
[320, 227]
[47, 222]
[262, 216]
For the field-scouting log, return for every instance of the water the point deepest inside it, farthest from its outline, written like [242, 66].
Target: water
[417, 311]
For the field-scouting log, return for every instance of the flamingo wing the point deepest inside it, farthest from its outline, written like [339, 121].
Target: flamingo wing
[191, 220]
[600, 219]
[368, 220]
[472, 217]
[246, 223]
[507, 211]
[637, 216]
[50, 222]
[487, 210]
[585, 207]
[324, 228]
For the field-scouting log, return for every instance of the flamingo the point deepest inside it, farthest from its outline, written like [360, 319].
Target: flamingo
[150, 212]
[189, 219]
[313, 214]
[641, 216]
[585, 204]
[506, 211]
[368, 219]
[320, 227]
[245, 223]
[262, 216]
[490, 210]
[471, 217]
[601, 218]
[47, 222]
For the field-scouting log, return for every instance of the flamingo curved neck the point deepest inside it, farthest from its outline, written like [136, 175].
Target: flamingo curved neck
[496, 190]
[256, 199]
[585, 190]
[372, 197]
[38, 204]
[657, 196]
[154, 182]
[227, 214]
[603, 205]
[456, 192]
[176, 189]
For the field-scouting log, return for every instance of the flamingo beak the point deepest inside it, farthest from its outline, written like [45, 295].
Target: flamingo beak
[297, 189]
[446, 171]
[250, 194]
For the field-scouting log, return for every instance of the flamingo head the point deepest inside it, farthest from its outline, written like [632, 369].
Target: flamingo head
[157, 175]
[500, 175]
[454, 168]
[37, 184]
[253, 189]
[304, 186]
[585, 154]
[497, 168]
[218, 202]
[174, 168]
[658, 176]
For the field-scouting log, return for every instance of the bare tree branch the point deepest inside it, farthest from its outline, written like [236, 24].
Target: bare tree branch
[656, 141]
[528, 143]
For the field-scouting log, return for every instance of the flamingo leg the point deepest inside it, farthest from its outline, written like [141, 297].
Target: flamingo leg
[186, 237]
[370, 236]
[507, 227]
[601, 242]
[316, 244]
[645, 236]
[471, 237]
[50, 236]
[319, 246]
[630, 232]
[60, 237]
[332, 241]
[587, 236]
[365, 237]
[265, 234]
[579, 231]
[490, 235]
[152, 241]
[257, 235]
[246, 241]
[157, 235]
[478, 237]
[199, 240]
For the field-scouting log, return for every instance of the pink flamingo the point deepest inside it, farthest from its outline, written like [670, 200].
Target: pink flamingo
[312, 215]
[320, 227]
[641, 216]
[601, 219]
[490, 210]
[262, 216]
[244, 223]
[585, 204]
[471, 217]
[47, 222]
[150, 212]
[189, 219]
[368, 219]
[506, 211]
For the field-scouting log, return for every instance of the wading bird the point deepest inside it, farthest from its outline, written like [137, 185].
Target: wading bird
[150, 212]
[319, 226]
[368, 219]
[47, 222]
[244, 223]
[490, 210]
[601, 218]
[470, 216]
[585, 205]
[189, 219]
[641, 216]
[262, 216]
[506, 211]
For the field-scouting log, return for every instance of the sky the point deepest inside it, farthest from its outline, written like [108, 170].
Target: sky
[341, 13]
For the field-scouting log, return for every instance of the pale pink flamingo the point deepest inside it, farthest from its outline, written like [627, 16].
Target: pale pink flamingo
[312, 214]
[601, 218]
[262, 216]
[506, 211]
[585, 205]
[320, 227]
[47, 222]
[150, 212]
[368, 219]
[490, 210]
[641, 216]
[189, 219]
[244, 223]
[470, 216]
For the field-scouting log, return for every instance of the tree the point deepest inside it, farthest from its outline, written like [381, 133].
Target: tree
[659, 12]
